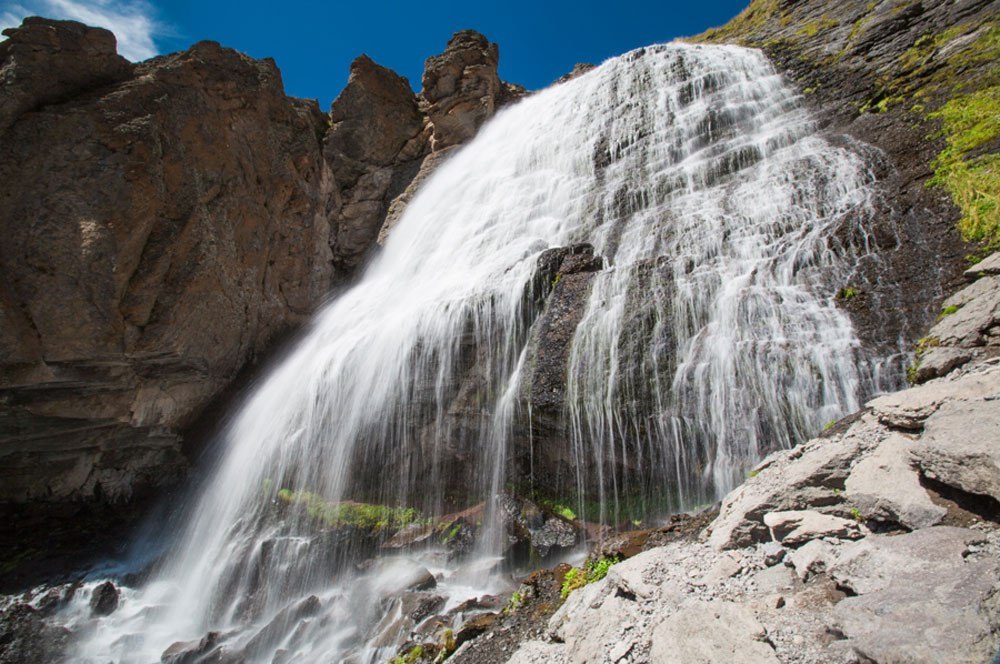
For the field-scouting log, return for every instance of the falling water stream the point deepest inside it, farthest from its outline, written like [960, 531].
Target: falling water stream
[710, 337]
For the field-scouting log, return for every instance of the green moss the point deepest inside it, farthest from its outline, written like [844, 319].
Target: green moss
[947, 311]
[575, 578]
[593, 571]
[414, 655]
[926, 342]
[514, 603]
[829, 425]
[452, 534]
[362, 515]
[969, 122]
[813, 28]
[757, 15]
[848, 293]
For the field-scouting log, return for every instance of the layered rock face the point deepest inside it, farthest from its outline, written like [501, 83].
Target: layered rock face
[164, 223]
[160, 230]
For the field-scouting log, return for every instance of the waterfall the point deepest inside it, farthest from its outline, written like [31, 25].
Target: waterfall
[724, 225]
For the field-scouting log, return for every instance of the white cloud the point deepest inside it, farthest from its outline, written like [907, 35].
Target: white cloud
[11, 17]
[132, 21]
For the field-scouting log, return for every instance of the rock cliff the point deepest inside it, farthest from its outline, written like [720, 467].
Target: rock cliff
[166, 222]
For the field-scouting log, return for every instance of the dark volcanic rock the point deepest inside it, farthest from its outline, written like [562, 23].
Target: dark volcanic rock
[373, 147]
[104, 601]
[45, 62]
[170, 226]
[25, 637]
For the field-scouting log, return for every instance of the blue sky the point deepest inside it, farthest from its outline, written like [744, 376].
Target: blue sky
[314, 42]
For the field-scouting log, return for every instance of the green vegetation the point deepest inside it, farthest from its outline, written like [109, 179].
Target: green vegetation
[848, 293]
[575, 578]
[447, 643]
[363, 515]
[453, 533]
[856, 515]
[926, 342]
[922, 345]
[950, 78]
[970, 122]
[815, 27]
[757, 15]
[415, 654]
[514, 604]
[829, 425]
[593, 571]
[947, 311]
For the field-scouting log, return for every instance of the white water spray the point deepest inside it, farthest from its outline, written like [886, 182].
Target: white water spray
[711, 337]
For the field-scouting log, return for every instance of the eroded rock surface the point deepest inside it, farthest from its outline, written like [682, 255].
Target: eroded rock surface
[172, 227]
[183, 215]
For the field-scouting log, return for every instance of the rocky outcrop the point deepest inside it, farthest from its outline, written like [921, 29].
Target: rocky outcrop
[45, 62]
[902, 566]
[968, 326]
[172, 225]
[461, 88]
[165, 222]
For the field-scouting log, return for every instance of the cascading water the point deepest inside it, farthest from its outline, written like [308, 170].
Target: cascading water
[710, 336]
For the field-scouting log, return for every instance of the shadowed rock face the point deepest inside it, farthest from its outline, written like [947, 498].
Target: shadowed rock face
[47, 61]
[163, 224]
[159, 231]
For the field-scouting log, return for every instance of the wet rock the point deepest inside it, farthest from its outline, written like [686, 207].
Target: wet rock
[417, 606]
[885, 487]
[104, 601]
[26, 637]
[960, 446]
[545, 532]
[423, 580]
[269, 636]
[796, 527]
[475, 627]
[204, 651]
[711, 632]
